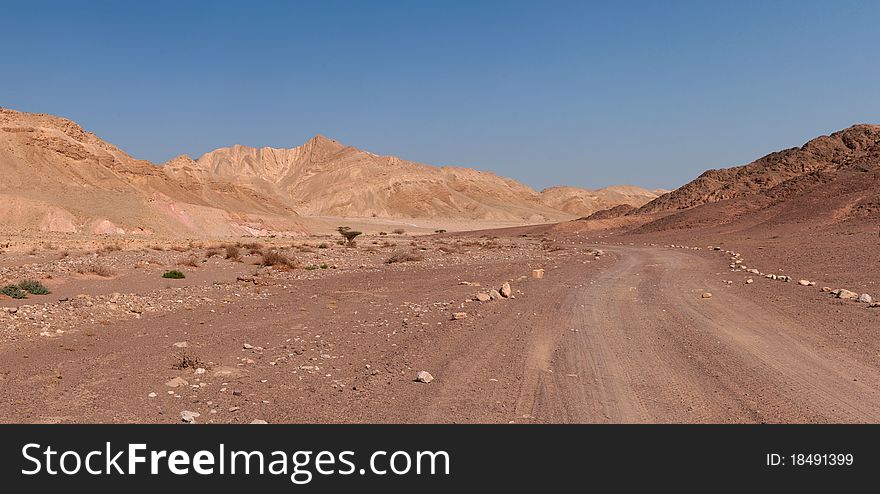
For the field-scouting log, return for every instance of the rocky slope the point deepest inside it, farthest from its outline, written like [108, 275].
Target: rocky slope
[58, 177]
[584, 202]
[325, 178]
[850, 149]
[828, 181]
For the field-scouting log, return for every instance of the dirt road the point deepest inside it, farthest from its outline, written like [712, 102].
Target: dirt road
[627, 338]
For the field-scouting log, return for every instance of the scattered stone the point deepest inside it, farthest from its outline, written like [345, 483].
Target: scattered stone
[177, 382]
[494, 295]
[482, 297]
[247, 346]
[459, 315]
[826, 289]
[259, 421]
[180, 344]
[424, 377]
[749, 281]
[706, 295]
[866, 299]
[804, 282]
[234, 409]
[537, 274]
[847, 295]
[505, 290]
[152, 395]
[189, 417]
[200, 370]
[228, 372]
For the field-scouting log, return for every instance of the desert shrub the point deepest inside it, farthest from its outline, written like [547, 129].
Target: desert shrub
[311, 267]
[233, 252]
[190, 261]
[64, 254]
[323, 245]
[174, 275]
[276, 259]
[33, 287]
[187, 361]
[440, 231]
[96, 269]
[398, 231]
[403, 256]
[212, 252]
[323, 266]
[252, 246]
[111, 248]
[383, 233]
[13, 291]
[255, 252]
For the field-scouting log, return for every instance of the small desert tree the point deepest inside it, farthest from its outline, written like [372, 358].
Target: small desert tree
[348, 233]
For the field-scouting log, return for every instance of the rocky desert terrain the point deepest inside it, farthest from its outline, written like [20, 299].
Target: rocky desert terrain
[218, 290]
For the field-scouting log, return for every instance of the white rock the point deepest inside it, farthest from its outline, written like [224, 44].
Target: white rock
[424, 377]
[189, 417]
[259, 421]
[866, 299]
[804, 282]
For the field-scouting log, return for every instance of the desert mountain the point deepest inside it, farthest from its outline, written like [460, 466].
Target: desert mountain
[58, 177]
[584, 202]
[829, 179]
[325, 178]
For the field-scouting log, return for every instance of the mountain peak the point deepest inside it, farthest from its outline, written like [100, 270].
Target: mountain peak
[323, 142]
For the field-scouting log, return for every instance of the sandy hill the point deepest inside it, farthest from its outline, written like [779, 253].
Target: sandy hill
[325, 178]
[830, 179]
[584, 202]
[58, 177]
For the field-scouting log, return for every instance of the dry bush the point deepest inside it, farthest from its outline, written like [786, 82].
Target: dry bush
[233, 253]
[187, 361]
[212, 252]
[403, 256]
[389, 244]
[277, 260]
[96, 269]
[398, 231]
[252, 246]
[64, 254]
[191, 261]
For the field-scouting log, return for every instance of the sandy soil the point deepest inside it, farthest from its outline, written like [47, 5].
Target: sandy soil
[621, 337]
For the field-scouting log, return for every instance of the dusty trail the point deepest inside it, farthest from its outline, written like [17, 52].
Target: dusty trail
[648, 348]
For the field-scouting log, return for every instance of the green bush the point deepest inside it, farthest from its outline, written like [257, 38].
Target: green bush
[174, 275]
[311, 267]
[323, 266]
[33, 287]
[13, 291]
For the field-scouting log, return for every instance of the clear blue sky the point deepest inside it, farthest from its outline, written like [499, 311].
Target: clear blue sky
[579, 93]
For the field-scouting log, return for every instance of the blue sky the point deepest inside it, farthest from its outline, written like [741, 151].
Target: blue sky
[577, 93]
